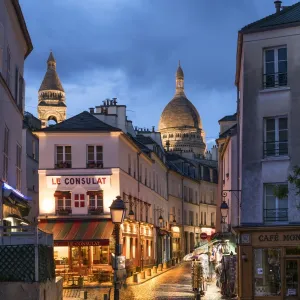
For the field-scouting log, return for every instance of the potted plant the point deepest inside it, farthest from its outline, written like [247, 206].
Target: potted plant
[91, 164]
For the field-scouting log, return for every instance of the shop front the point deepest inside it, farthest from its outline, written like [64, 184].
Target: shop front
[177, 253]
[270, 260]
[81, 249]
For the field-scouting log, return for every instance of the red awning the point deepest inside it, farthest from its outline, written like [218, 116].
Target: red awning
[79, 232]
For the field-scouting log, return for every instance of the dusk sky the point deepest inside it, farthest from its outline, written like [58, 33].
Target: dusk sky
[130, 49]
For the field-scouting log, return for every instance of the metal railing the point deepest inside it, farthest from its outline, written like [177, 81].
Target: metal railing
[276, 148]
[276, 215]
[274, 80]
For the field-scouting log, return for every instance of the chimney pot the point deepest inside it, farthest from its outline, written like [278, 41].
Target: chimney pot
[277, 5]
[153, 128]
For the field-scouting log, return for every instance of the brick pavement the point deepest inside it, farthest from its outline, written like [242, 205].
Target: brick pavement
[174, 284]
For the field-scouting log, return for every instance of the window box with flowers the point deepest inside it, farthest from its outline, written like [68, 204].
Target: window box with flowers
[95, 210]
[63, 165]
[95, 165]
[64, 211]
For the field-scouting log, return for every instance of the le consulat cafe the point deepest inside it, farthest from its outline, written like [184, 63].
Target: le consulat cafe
[76, 210]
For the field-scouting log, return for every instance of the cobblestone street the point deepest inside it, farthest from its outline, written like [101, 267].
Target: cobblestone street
[174, 284]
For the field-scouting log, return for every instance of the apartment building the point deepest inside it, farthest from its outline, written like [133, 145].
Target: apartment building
[267, 80]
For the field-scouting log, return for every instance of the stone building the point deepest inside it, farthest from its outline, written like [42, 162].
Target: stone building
[267, 78]
[52, 99]
[180, 124]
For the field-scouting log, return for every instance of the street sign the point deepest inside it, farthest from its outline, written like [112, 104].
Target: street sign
[203, 236]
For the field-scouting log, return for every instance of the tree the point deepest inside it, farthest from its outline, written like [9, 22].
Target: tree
[282, 191]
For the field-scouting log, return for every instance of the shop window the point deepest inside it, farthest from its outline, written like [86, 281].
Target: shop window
[79, 200]
[94, 156]
[100, 255]
[267, 279]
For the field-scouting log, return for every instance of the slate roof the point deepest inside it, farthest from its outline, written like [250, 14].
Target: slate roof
[229, 118]
[51, 80]
[81, 122]
[146, 140]
[229, 131]
[288, 16]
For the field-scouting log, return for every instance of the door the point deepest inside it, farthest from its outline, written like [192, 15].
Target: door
[292, 279]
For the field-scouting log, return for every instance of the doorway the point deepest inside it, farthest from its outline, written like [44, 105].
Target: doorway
[291, 279]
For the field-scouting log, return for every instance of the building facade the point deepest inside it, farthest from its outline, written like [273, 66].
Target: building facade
[15, 46]
[267, 81]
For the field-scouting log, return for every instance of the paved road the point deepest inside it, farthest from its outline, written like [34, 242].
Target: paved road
[174, 284]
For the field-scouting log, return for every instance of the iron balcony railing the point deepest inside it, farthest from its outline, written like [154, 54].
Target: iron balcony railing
[276, 215]
[275, 148]
[274, 80]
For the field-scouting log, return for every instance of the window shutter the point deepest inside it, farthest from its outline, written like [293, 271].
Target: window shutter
[21, 93]
[17, 85]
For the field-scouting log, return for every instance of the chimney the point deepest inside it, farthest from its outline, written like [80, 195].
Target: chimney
[278, 6]
[153, 128]
[92, 110]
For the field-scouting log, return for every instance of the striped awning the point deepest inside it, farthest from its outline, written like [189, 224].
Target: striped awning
[78, 232]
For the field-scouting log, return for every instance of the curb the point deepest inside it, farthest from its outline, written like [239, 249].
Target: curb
[126, 284]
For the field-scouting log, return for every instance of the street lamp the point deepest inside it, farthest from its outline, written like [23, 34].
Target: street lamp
[224, 211]
[160, 220]
[117, 212]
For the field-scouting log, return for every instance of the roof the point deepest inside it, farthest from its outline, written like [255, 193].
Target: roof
[23, 26]
[81, 122]
[288, 16]
[60, 103]
[51, 80]
[229, 118]
[78, 230]
[146, 140]
[229, 131]
[140, 145]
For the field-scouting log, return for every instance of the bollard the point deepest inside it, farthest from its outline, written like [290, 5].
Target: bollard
[165, 266]
[142, 274]
[135, 277]
[105, 297]
[159, 268]
[149, 272]
[83, 295]
[154, 269]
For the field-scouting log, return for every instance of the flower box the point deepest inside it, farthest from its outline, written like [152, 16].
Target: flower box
[96, 211]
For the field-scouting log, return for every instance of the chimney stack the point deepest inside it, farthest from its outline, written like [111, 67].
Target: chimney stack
[92, 110]
[278, 6]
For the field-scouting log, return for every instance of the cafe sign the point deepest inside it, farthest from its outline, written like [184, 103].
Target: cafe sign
[72, 181]
[273, 238]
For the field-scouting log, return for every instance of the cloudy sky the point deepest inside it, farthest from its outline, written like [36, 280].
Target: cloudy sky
[130, 49]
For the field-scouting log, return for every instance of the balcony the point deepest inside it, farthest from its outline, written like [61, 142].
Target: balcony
[275, 80]
[276, 148]
[275, 215]
[63, 165]
[94, 165]
[95, 210]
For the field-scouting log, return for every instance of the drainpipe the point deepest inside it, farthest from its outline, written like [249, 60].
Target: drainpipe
[182, 219]
[238, 157]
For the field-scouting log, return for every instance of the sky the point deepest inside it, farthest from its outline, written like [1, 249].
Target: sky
[129, 49]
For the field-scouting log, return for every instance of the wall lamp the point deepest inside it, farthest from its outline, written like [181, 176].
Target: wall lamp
[244, 257]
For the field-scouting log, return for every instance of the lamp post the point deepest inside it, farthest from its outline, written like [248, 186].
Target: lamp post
[224, 213]
[117, 212]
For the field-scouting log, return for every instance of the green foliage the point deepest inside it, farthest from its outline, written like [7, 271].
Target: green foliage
[280, 191]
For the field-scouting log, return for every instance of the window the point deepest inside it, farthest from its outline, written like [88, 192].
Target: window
[5, 153]
[18, 166]
[134, 168]
[179, 216]
[141, 173]
[191, 218]
[21, 92]
[197, 221]
[96, 201]
[8, 62]
[146, 173]
[129, 164]
[63, 200]
[185, 217]
[190, 195]
[205, 218]
[201, 218]
[153, 181]
[196, 197]
[267, 270]
[63, 157]
[33, 149]
[276, 136]
[276, 210]
[185, 193]
[212, 219]
[79, 200]
[16, 84]
[275, 67]
[94, 156]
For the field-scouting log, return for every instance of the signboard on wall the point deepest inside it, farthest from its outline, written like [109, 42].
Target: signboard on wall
[72, 181]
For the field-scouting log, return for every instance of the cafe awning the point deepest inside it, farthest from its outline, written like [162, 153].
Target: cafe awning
[79, 232]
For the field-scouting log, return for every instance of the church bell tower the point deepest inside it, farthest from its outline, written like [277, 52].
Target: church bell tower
[52, 100]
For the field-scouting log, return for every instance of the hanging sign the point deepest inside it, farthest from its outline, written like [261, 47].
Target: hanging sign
[203, 235]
